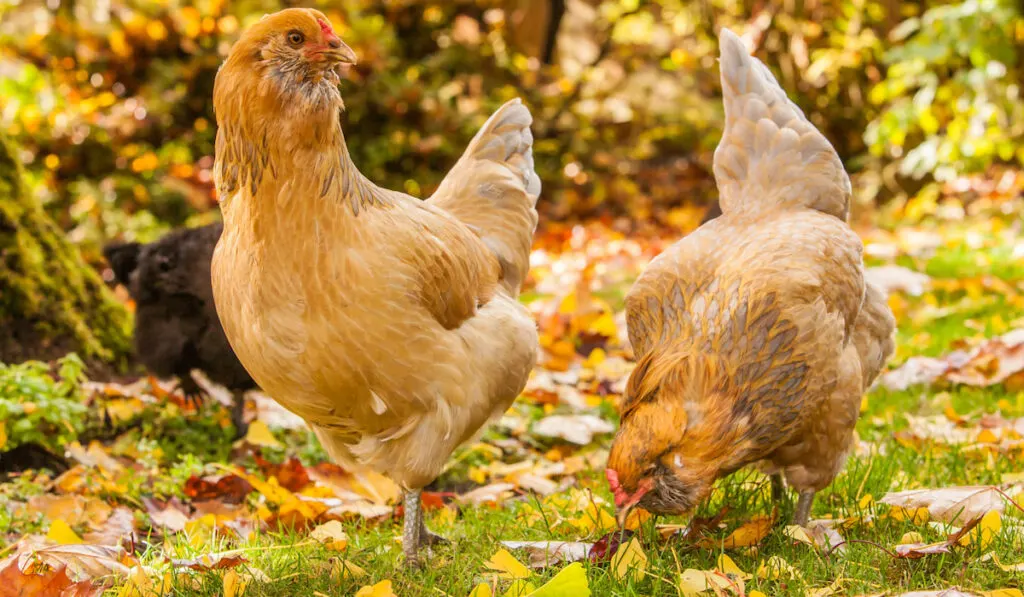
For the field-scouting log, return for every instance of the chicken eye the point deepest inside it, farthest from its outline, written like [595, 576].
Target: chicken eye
[296, 38]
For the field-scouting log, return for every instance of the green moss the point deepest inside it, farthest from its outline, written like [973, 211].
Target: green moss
[51, 302]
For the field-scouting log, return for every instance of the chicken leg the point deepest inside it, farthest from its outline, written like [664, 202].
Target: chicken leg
[238, 413]
[415, 533]
[803, 508]
[778, 489]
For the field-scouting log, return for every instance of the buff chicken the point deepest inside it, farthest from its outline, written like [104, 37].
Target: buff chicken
[390, 324]
[756, 336]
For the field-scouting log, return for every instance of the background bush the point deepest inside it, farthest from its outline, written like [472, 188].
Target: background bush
[110, 100]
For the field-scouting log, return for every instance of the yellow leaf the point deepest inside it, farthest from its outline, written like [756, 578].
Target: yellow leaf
[750, 533]
[571, 581]
[481, 590]
[604, 326]
[866, 501]
[985, 532]
[1004, 593]
[756, 594]
[331, 534]
[344, 569]
[776, 568]
[596, 357]
[61, 533]
[1003, 567]
[234, 586]
[381, 589]
[692, 582]
[140, 583]
[519, 588]
[3, 435]
[987, 436]
[629, 560]
[911, 537]
[729, 568]
[259, 435]
[636, 517]
[798, 533]
[507, 566]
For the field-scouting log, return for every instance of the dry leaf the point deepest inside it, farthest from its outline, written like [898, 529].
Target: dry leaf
[578, 429]
[950, 504]
[331, 534]
[544, 554]
[748, 534]
[630, 560]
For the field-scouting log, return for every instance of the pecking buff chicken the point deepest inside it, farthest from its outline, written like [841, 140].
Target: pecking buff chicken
[391, 325]
[756, 336]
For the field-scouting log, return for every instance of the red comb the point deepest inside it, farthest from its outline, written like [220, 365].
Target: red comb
[326, 29]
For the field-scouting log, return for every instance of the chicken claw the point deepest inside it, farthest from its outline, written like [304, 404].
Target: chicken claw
[192, 392]
[415, 534]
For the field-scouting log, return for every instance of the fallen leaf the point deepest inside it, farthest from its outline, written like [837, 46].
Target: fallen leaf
[234, 586]
[82, 561]
[748, 534]
[344, 569]
[228, 488]
[950, 504]
[544, 554]
[118, 529]
[62, 534]
[481, 590]
[53, 583]
[577, 429]
[332, 535]
[211, 561]
[776, 568]
[729, 568]
[570, 581]
[506, 565]
[629, 561]
[381, 589]
[259, 434]
[605, 547]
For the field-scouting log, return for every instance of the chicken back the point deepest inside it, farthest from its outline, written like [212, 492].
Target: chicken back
[390, 324]
[756, 336]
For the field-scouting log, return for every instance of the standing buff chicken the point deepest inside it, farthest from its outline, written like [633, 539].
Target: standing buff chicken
[391, 325]
[756, 336]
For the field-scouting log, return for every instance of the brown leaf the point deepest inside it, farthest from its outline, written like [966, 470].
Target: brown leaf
[291, 474]
[15, 583]
[212, 561]
[116, 530]
[229, 488]
[171, 515]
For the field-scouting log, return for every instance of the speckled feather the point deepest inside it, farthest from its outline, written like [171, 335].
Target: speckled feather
[755, 336]
[388, 323]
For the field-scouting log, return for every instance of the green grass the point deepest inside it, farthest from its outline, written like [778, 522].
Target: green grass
[295, 565]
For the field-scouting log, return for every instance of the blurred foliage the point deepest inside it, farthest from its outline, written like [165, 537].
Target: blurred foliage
[111, 99]
[37, 406]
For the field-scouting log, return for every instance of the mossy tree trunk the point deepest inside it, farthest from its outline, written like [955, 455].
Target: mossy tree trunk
[51, 302]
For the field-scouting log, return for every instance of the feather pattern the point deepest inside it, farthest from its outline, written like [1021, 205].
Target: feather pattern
[756, 335]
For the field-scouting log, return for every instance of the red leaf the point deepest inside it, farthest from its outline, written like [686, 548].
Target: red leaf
[605, 547]
[229, 488]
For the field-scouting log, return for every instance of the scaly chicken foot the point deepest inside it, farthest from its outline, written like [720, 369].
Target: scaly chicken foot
[415, 534]
[803, 508]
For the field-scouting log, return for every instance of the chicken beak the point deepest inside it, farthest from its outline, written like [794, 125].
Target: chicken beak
[623, 514]
[344, 54]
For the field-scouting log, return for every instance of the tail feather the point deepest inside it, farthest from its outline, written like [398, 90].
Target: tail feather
[770, 155]
[493, 189]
